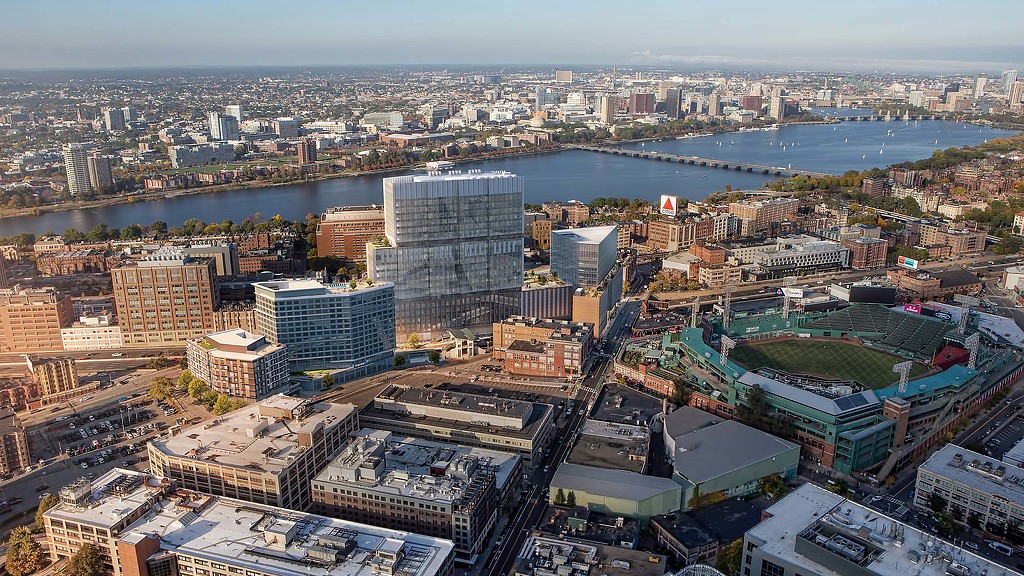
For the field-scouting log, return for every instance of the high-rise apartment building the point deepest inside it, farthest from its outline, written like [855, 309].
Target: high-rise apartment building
[101, 178]
[76, 164]
[344, 232]
[145, 525]
[287, 126]
[979, 86]
[344, 328]
[14, 453]
[777, 107]
[608, 106]
[113, 119]
[583, 256]
[223, 126]
[1015, 94]
[236, 111]
[564, 76]
[673, 102]
[714, 104]
[31, 319]
[439, 490]
[130, 114]
[306, 151]
[752, 103]
[453, 249]
[759, 216]
[239, 363]
[265, 453]
[166, 297]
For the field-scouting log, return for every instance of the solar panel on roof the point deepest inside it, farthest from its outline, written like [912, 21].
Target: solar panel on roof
[844, 403]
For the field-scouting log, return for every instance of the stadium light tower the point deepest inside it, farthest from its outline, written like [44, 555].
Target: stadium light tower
[727, 345]
[965, 310]
[727, 306]
[972, 343]
[787, 283]
[903, 369]
[695, 312]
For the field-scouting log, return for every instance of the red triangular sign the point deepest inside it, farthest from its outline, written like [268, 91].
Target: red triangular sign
[668, 204]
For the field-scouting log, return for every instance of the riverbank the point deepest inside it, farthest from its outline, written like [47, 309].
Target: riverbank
[141, 197]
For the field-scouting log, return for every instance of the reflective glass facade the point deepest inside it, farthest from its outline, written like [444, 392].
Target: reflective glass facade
[583, 256]
[456, 249]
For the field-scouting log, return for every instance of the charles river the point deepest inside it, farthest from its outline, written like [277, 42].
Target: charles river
[569, 175]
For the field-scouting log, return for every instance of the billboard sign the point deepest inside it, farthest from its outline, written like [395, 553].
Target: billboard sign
[907, 262]
[669, 205]
[912, 308]
[793, 292]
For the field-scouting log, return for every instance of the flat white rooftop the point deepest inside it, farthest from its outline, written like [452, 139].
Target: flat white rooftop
[891, 547]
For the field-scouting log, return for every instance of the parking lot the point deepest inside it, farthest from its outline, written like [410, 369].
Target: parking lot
[1002, 435]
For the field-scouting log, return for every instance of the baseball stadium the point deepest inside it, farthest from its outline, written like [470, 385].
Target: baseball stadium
[864, 389]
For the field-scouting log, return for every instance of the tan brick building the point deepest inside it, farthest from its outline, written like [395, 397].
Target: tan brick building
[867, 252]
[75, 262]
[962, 241]
[14, 449]
[239, 363]
[542, 234]
[759, 216]
[343, 232]
[54, 375]
[165, 298]
[30, 320]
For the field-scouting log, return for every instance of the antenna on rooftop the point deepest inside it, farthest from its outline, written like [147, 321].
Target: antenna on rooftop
[903, 369]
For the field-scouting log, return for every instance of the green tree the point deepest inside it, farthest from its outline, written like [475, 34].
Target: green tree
[570, 499]
[158, 228]
[156, 363]
[771, 486]
[223, 405]
[413, 341]
[160, 388]
[131, 232]
[72, 236]
[196, 388]
[839, 487]
[86, 562]
[185, 379]
[399, 360]
[327, 381]
[559, 497]
[48, 501]
[937, 502]
[24, 554]
[434, 356]
[730, 558]
[681, 392]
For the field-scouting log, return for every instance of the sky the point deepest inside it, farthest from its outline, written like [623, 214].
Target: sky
[932, 36]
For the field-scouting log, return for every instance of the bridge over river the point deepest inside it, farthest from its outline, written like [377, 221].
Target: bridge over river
[708, 162]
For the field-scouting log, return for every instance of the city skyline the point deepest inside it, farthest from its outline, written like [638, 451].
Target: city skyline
[868, 36]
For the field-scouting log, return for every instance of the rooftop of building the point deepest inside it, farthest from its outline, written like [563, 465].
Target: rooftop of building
[687, 530]
[951, 278]
[764, 201]
[297, 288]
[542, 556]
[452, 175]
[723, 448]
[611, 483]
[9, 421]
[530, 346]
[417, 468]
[980, 472]
[266, 436]
[625, 405]
[687, 419]
[611, 445]
[587, 235]
[581, 523]
[845, 532]
[70, 254]
[259, 538]
[351, 212]
[238, 344]
[470, 403]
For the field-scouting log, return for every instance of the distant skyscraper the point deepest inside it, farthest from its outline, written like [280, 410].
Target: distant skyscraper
[113, 119]
[777, 107]
[917, 98]
[76, 164]
[1006, 78]
[454, 249]
[547, 97]
[307, 152]
[641, 103]
[714, 104]
[101, 179]
[563, 76]
[608, 105]
[223, 127]
[673, 102]
[236, 111]
[752, 103]
[130, 114]
[287, 127]
[1016, 91]
[979, 86]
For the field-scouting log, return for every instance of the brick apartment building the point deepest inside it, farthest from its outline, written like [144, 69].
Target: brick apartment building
[534, 347]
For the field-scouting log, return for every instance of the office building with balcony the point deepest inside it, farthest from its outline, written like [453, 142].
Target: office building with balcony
[239, 363]
[440, 490]
[147, 525]
[453, 249]
[344, 328]
[265, 453]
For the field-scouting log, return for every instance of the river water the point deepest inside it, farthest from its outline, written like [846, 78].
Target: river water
[569, 175]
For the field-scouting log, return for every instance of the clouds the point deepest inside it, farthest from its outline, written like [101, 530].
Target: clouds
[813, 63]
